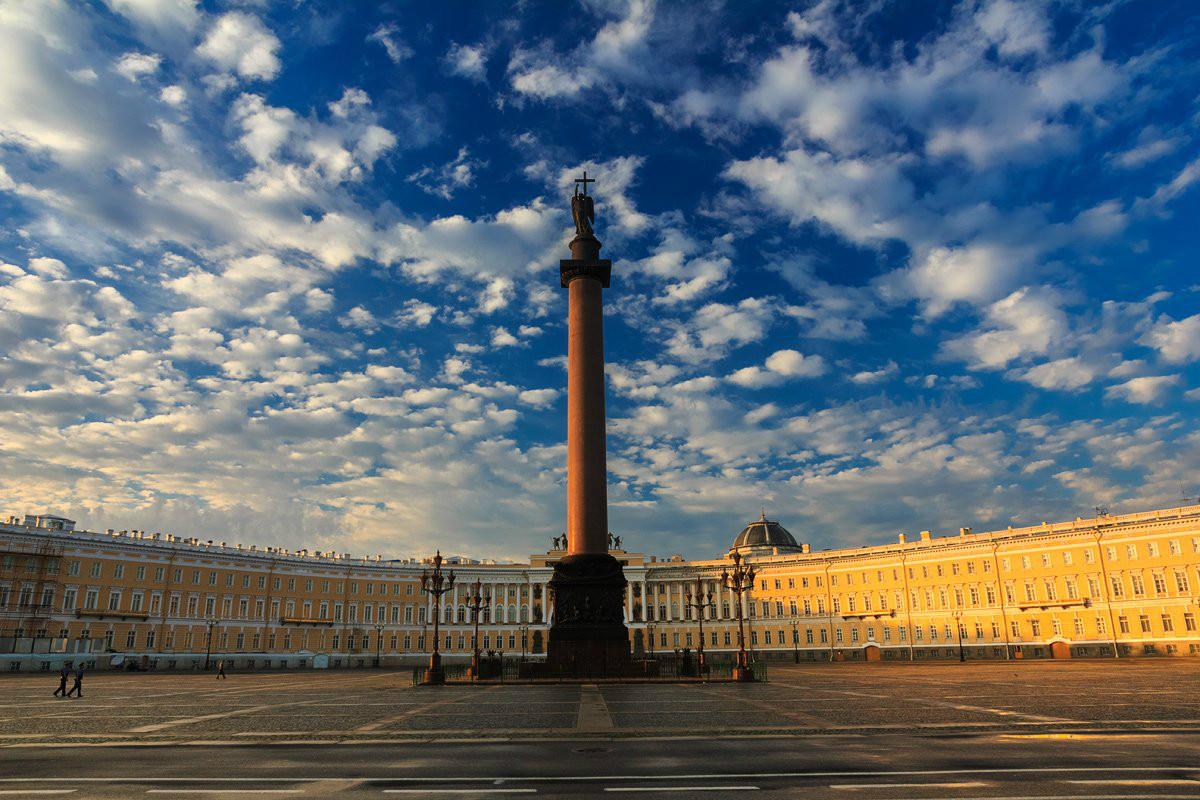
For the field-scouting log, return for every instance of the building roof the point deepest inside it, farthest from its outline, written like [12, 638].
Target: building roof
[764, 532]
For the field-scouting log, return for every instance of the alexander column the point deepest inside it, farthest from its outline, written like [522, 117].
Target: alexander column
[589, 635]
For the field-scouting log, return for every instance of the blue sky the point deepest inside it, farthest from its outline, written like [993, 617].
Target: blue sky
[286, 273]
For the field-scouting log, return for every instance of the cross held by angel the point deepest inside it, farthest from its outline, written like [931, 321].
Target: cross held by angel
[583, 210]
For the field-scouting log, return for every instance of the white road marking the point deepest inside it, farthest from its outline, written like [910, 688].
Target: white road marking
[1136, 782]
[680, 788]
[158, 726]
[39, 792]
[460, 791]
[224, 791]
[595, 778]
[959, 785]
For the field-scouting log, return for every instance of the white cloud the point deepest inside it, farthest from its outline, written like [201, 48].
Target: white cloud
[502, 338]
[863, 199]
[1026, 323]
[618, 50]
[779, 367]
[1063, 373]
[1183, 180]
[362, 318]
[174, 95]
[388, 36]
[239, 42]
[496, 295]
[48, 267]
[416, 313]
[136, 65]
[1145, 390]
[1151, 146]
[715, 328]
[444, 181]
[169, 17]
[871, 376]
[538, 398]
[1177, 341]
[468, 61]
[976, 273]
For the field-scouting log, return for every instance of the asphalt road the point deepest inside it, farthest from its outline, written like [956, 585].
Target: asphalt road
[1046, 730]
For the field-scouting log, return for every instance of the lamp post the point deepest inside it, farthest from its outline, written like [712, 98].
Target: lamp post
[962, 654]
[796, 640]
[378, 646]
[699, 601]
[740, 581]
[435, 584]
[211, 622]
[650, 637]
[477, 601]
[524, 629]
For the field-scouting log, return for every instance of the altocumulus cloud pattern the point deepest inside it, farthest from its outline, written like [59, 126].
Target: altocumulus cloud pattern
[287, 273]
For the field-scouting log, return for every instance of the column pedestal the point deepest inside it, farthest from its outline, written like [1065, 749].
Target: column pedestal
[589, 637]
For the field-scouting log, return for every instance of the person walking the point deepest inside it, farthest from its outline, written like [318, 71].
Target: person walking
[221, 670]
[63, 674]
[77, 686]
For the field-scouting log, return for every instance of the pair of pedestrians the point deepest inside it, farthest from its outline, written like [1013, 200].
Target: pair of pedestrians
[76, 687]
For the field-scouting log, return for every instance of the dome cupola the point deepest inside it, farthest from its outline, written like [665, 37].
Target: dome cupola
[764, 536]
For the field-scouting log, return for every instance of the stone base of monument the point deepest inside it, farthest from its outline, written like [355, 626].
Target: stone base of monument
[588, 638]
[742, 674]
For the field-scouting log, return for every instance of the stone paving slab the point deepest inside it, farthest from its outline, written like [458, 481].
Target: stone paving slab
[798, 700]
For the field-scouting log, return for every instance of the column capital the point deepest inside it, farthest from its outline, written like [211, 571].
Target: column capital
[597, 269]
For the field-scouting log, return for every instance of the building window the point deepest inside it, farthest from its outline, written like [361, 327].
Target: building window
[1189, 621]
[1144, 621]
[1035, 627]
[130, 639]
[1168, 623]
[114, 601]
[1123, 623]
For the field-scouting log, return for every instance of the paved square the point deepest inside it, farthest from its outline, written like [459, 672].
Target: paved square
[341, 706]
[984, 730]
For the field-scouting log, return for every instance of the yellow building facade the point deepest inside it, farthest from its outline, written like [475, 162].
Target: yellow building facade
[1112, 586]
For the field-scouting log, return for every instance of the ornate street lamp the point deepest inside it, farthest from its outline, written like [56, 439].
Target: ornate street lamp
[378, 645]
[700, 601]
[477, 601]
[796, 640]
[524, 629]
[740, 581]
[435, 584]
[650, 637]
[962, 654]
[211, 622]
